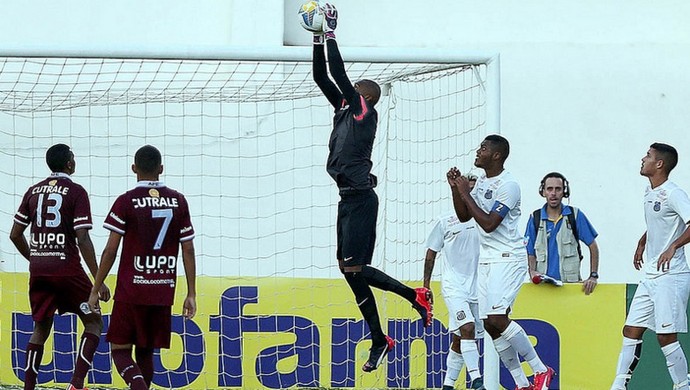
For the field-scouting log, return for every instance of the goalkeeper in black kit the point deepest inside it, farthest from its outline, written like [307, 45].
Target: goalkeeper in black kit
[349, 164]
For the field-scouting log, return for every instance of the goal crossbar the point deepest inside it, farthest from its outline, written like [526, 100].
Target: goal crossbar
[374, 55]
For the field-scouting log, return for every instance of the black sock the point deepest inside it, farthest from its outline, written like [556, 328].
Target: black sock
[144, 359]
[382, 281]
[367, 305]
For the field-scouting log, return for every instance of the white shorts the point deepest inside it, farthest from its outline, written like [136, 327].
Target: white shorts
[498, 285]
[460, 312]
[660, 304]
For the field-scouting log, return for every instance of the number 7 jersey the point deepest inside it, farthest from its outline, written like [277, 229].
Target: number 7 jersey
[153, 220]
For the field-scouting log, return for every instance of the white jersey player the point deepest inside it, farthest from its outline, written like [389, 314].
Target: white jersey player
[661, 298]
[494, 204]
[459, 242]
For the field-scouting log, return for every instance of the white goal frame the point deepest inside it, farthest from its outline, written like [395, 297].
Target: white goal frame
[491, 85]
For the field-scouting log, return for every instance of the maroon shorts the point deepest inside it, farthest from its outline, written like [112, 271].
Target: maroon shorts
[62, 293]
[142, 325]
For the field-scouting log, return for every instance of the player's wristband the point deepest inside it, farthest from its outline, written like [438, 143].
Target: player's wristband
[594, 275]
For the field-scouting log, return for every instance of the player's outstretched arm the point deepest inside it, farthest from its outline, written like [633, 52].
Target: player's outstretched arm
[337, 68]
[189, 260]
[107, 261]
[335, 60]
[18, 239]
[321, 77]
[89, 254]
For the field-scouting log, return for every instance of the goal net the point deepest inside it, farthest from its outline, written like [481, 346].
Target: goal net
[244, 137]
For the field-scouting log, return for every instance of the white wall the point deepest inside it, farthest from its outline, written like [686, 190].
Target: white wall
[586, 85]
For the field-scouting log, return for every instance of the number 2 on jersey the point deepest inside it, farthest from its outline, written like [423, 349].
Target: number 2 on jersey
[167, 214]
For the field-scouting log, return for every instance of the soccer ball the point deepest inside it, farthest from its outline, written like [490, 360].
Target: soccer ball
[311, 16]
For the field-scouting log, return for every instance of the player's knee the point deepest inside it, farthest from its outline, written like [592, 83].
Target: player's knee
[352, 277]
[359, 286]
[497, 322]
[633, 332]
[455, 343]
[352, 269]
[467, 331]
[666, 339]
[41, 331]
[93, 323]
[492, 330]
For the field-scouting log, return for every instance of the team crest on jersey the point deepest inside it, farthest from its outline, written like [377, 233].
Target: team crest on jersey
[154, 193]
[460, 315]
[52, 182]
[488, 194]
[657, 206]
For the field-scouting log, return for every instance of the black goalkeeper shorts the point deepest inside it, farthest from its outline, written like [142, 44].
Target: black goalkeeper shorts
[356, 226]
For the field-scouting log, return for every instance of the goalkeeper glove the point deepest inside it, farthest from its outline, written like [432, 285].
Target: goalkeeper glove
[330, 21]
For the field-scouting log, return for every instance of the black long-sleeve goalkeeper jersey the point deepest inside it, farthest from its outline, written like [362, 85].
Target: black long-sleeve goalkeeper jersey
[354, 123]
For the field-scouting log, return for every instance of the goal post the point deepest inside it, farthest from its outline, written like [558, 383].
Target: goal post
[244, 135]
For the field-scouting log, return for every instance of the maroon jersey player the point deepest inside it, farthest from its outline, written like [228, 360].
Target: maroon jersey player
[154, 221]
[59, 213]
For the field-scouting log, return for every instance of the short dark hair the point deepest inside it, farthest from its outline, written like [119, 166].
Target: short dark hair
[147, 159]
[667, 153]
[555, 175]
[499, 144]
[372, 88]
[58, 156]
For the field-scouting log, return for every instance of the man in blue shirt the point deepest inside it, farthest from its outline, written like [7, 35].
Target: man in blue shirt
[553, 242]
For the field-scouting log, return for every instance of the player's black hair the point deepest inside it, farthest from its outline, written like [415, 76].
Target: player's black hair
[667, 153]
[499, 144]
[148, 159]
[58, 156]
[371, 88]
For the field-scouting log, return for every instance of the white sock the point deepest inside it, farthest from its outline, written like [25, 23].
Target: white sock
[677, 365]
[517, 337]
[471, 354]
[510, 359]
[454, 363]
[627, 360]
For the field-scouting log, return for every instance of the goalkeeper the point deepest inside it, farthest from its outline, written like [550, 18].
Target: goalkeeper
[349, 164]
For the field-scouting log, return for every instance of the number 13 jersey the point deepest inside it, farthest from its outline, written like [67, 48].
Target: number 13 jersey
[56, 208]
